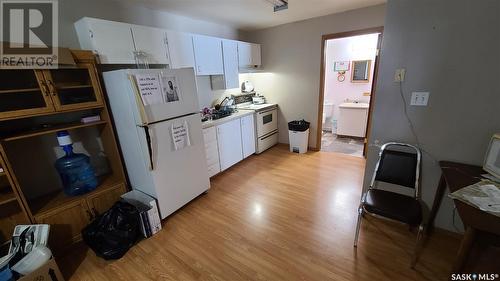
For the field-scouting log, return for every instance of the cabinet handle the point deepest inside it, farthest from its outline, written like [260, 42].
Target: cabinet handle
[52, 87]
[45, 90]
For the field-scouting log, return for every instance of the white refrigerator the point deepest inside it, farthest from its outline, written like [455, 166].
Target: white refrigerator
[159, 130]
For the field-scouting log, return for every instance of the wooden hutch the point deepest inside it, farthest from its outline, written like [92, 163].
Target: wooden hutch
[34, 105]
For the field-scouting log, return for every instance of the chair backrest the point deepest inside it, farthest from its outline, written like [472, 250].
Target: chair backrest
[399, 167]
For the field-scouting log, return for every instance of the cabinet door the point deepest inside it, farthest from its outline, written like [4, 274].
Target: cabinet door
[255, 58]
[249, 54]
[229, 141]
[152, 42]
[180, 48]
[248, 135]
[103, 201]
[208, 55]
[23, 92]
[211, 150]
[230, 55]
[112, 41]
[66, 223]
[74, 88]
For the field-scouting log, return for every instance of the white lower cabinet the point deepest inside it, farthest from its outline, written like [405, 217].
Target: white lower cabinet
[248, 135]
[212, 151]
[229, 143]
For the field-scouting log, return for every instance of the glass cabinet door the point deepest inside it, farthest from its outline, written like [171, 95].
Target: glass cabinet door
[23, 92]
[74, 88]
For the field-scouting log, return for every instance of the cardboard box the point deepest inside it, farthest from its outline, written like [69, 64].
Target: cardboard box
[48, 272]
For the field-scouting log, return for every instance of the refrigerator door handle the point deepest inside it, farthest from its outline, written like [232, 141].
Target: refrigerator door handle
[150, 147]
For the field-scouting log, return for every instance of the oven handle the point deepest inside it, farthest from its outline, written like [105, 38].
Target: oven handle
[270, 135]
[262, 112]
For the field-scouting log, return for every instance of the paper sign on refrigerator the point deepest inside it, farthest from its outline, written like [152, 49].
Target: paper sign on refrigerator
[180, 135]
[149, 88]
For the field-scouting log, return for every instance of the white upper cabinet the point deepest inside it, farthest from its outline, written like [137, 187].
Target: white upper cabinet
[230, 79]
[208, 55]
[180, 46]
[248, 135]
[112, 41]
[151, 42]
[116, 43]
[230, 56]
[249, 54]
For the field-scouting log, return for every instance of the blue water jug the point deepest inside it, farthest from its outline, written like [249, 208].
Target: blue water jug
[77, 175]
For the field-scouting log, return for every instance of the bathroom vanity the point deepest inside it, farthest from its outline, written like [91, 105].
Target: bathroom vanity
[352, 119]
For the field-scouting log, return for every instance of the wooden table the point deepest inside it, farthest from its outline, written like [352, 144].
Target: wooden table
[456, 176]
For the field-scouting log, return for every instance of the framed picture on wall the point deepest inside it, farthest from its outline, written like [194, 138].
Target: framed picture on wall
[341, 66]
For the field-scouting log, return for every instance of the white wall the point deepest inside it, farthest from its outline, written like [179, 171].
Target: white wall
[451, 49]
[363, 47]
[291, 62]
[72, 10]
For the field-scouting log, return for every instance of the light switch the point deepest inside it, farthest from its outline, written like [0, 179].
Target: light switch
[399, 75]
[419, 98]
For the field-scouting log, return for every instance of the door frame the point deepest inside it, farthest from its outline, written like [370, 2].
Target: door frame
[324, 38]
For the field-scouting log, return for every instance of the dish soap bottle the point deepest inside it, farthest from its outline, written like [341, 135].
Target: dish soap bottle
[77, 175]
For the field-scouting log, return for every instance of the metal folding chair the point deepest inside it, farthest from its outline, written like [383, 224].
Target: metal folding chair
[403, 169]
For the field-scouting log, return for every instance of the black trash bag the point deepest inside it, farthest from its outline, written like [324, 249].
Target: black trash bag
[298, 125]
[111, 234]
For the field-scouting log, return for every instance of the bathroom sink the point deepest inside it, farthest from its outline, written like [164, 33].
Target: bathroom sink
[354, 105]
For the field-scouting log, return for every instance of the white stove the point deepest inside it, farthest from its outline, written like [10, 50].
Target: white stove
[266, 120]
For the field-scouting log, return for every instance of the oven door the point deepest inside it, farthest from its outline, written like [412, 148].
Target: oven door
[267, 121]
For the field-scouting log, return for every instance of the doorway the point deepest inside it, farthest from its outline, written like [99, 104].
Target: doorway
[349, 68]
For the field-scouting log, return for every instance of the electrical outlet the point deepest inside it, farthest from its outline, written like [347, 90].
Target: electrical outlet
[419, 98]
[399, 75]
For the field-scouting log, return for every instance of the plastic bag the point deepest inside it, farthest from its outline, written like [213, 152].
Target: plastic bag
[298, 125]
[113, 233]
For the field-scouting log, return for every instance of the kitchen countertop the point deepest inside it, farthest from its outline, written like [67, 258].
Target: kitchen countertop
[235, 115]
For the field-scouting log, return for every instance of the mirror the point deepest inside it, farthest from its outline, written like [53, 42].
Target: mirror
[361, 71]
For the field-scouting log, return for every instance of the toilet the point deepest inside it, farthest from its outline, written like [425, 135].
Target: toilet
[327, 116]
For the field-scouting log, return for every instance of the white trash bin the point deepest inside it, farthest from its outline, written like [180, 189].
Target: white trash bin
[298, 136]
[298, 141]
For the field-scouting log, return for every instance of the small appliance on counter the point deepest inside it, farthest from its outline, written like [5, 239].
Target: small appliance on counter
[247, 87]
[258, 99]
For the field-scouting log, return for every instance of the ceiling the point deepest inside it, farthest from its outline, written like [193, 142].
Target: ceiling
[254, 14]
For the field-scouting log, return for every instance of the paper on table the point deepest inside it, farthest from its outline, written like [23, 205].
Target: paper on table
[488, 204]
[149, 88]
[490, 190]
[484, 195]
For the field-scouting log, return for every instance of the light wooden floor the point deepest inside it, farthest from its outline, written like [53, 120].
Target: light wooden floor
[275, 216]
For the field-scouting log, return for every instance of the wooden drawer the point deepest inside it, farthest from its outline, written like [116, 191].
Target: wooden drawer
[66, 223]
